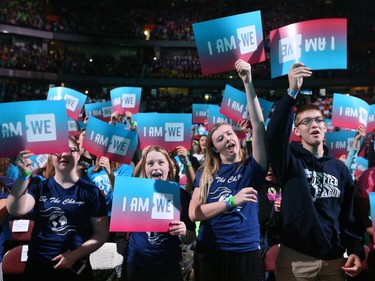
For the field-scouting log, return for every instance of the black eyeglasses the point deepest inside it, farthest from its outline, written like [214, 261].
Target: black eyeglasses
[307, 121]
[70, 152]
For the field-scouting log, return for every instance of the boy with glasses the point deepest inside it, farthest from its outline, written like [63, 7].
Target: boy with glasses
[317, 220]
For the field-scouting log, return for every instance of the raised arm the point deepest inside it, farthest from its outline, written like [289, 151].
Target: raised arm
[137, 168]
[281, 123]
[188, 167]
[19, 202]
[256, 116]
[106, 164]
[353, 152]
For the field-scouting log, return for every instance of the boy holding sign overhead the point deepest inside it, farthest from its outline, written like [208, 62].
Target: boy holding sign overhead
[317, 222]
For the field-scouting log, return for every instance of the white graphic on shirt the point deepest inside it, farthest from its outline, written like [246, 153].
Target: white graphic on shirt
[322, 185]
[102, 181]
[57, 220]
[156, 238]
[230, 179]
[221, 194]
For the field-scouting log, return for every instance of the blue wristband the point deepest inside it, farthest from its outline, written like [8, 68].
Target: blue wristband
[293, 94]
[227, 203]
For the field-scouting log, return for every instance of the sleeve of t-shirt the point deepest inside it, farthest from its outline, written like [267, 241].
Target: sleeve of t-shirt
[126, 170]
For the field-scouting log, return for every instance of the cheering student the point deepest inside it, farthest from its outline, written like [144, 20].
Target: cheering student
[71, 218]
[225, 198]
[317, 223]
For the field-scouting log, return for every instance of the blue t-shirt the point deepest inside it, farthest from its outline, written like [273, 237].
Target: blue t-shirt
[236, 229]
[100, 179]
[62, 217]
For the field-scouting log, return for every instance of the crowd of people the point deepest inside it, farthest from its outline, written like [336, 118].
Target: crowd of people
[239, 197]
[167, 20]
[172, 20]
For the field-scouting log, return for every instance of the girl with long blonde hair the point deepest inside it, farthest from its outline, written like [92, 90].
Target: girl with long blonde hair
[225, 198]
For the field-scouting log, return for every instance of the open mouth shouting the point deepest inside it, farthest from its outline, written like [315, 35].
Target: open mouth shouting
[157, 175]
[231, 147]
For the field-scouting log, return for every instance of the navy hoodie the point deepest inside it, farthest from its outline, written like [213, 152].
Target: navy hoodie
[317, 216]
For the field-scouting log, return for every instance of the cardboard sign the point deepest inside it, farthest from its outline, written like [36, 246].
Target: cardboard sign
[221, 42]
[74, 100]
[126, 99]
[351, 112]
[234, 105]
[113, 142]
[319, 44]
[38, 126]
[141, 204]
[100, 110]
[168, 130]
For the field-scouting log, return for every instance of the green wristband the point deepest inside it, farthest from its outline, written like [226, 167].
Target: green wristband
[25, 174]
[231, 201]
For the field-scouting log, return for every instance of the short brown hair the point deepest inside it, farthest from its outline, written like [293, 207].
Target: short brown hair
[303, 108]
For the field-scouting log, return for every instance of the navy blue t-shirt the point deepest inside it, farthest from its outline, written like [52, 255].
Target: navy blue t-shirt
[236, 229]
[62, 217]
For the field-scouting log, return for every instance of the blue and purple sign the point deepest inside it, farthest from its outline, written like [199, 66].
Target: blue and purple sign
[73, 127]
[168, 130]
[340, 142]
[351, 112]
[74, 100]
[141, 204]
[100, 110]
[38, 126]
[234, 105]
[215, 116]
[200, 113]
[113, 142]
[126, 99]
[221, 42]
[319, 44]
